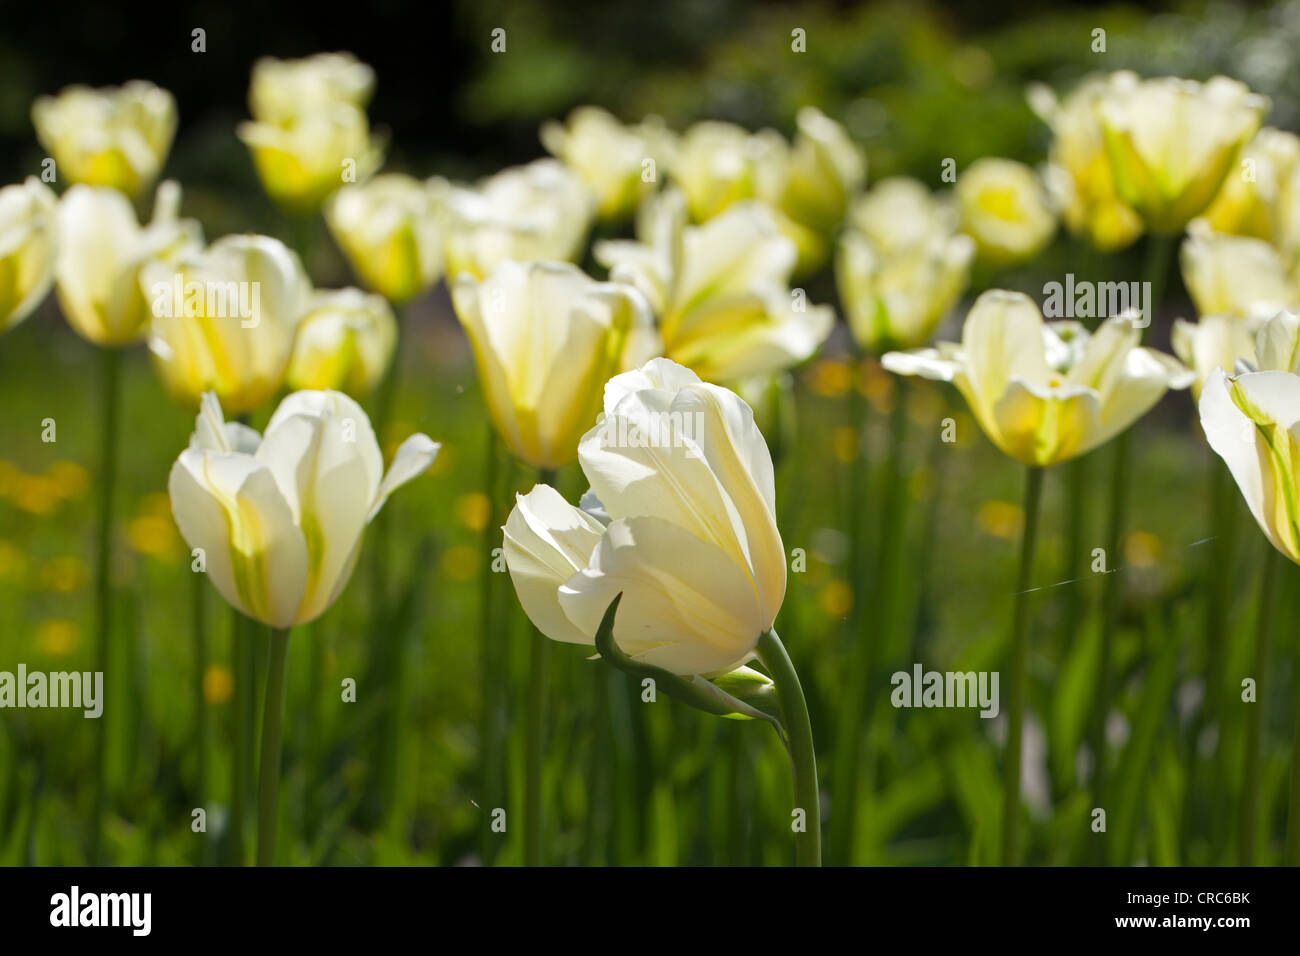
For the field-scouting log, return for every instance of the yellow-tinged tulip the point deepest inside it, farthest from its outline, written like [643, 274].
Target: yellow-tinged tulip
[1216, 341]
[1080, 175]
[901, 265]
[538, 211]
[1251, 421]
[102, 253]
[303, 157]
[716, 164]
[611, 158]
[546, 338]
[1172, 142]
[389, 230]
[721, 290]
[282, 88]
[1234, 275]
[27, 248]
[224, 320]
[279, 517]
[1261, 197]
[117, 137]
[345, 342]
[681, 520]
[1046, 392]
[1004, 208]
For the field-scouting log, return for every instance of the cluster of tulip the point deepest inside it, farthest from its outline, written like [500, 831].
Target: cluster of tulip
[672, 566]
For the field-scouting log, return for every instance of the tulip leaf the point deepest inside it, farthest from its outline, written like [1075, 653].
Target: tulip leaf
[742, 694]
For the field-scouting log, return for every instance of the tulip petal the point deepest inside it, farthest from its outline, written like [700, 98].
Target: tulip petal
[230, 506]
[686, 606]
[413, 458]
[547, 541]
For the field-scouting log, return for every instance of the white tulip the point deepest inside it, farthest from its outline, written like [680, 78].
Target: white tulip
[103, 252]
[279, 518]
[681, 521]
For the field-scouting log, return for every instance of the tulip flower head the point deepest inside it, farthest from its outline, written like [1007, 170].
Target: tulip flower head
[345, 342]
[1234, 275]
[224, 320]
[1046, 392]
[721, 290]
[281, 88]
[1262, 197]
[682, 524]
[540, 211]
[716, 164]
[611, 158]
[1173, 142]
[117, 137]
[389, 230]
[103, 254]
[279, 517]
[1004, 207]
[901, 265]
[302, 158]
[546, 338]
[27, 248]
[826, 168]
[1080, 175]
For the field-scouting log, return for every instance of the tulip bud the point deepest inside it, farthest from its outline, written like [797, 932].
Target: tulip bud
[1172, 142]
[721, 290]
[280, 517]
[27, 249]
[102, 254]
[224, 320]
[546, 338]
[691, 543]
[116, 137]
[1234, 275]
[1004, 208]
[388, 228]
[533, 212]
[609, 157]
[1046, 392]
[345, 342]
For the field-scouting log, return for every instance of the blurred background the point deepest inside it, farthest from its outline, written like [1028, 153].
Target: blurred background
[396, 778]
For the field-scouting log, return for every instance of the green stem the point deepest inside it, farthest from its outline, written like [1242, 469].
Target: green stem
[199, 623]
[272, 718]
[539, 651]
[110, 410]
[799, 742]
[1248, 837]
[239, 752]
[1292, 855]
[490, 663]
[1019, 666]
